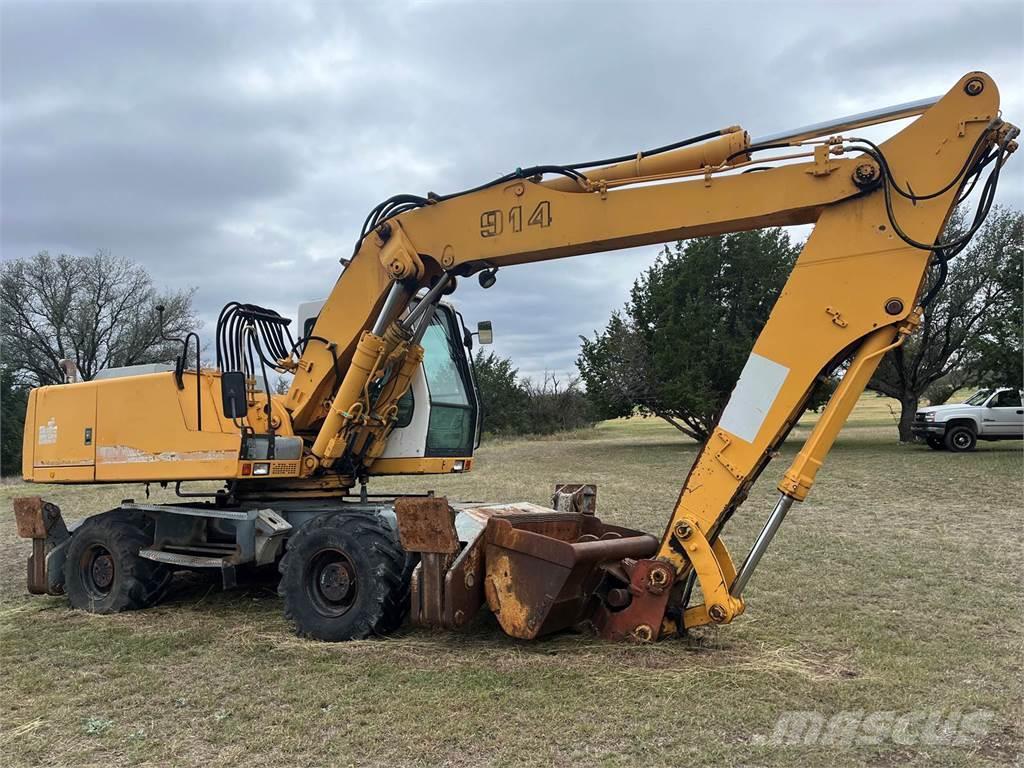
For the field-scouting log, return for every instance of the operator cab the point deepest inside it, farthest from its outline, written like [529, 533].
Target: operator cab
[440, 414]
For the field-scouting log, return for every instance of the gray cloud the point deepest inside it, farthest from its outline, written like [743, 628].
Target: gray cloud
[238, 147]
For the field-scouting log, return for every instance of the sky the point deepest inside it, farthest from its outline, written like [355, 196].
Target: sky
[236, 148]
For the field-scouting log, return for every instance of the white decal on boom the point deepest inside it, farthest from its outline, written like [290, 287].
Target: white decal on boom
[752, 396]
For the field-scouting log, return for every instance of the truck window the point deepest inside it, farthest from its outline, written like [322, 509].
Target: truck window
[1007, 399]
[978, 398]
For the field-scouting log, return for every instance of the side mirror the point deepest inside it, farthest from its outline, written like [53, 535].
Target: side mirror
[234, 398]
[485, 332]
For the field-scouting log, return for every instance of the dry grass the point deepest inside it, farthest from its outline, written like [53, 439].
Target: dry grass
[896, 587]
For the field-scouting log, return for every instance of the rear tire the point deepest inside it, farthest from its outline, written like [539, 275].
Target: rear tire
[935, 443]
[961, 439]
[344, 576]
[103, 572]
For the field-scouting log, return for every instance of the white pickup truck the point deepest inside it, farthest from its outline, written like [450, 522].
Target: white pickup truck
[988, 414]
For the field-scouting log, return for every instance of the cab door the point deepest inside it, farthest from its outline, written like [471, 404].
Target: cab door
[1004, 414]
[439, 415]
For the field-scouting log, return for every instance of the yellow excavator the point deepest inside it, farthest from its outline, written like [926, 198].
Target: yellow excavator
[382, 384]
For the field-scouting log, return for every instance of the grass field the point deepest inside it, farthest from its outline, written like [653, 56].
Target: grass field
[895, 588]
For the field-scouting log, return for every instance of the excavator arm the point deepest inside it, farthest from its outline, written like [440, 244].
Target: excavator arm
[854, 294]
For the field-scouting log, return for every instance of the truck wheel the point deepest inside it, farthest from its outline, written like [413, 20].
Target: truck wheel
[960, 439]
[935, 443]
[343, 577]
[103, 572]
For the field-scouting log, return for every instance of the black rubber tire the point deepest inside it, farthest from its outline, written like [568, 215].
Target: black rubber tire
[936, 443]
[403, 599]
[371, 595]
[110, 544]
[960, 439]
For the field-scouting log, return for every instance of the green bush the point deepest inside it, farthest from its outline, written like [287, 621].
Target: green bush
[513, 405]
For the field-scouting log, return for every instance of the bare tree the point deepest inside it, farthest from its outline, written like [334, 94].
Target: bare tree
[282, 384]
[98, 311]
[944, 354]
[552, 406]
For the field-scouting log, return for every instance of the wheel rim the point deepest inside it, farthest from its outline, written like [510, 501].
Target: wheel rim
[961, 439]
[331, 583]
[97, 570]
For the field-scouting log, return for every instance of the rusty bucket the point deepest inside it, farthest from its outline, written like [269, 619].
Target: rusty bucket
[542, 568]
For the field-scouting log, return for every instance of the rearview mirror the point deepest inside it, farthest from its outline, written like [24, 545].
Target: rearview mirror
[233, 396]
[484, 332]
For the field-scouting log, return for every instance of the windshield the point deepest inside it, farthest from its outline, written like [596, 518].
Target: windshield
[978, 398]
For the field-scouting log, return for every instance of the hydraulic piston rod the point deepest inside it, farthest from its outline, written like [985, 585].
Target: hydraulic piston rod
[397, 298]
[848, 123]
[428, 302]
[764, 538]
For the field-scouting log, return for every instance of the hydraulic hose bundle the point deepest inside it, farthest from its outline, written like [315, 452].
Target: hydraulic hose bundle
[247, 333]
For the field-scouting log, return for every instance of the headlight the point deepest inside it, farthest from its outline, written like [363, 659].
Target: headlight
[929, 417]
[458, 466]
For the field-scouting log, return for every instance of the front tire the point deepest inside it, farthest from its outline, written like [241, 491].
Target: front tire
[961, 439]
[936, 443]
[103, 572]
[343, 577]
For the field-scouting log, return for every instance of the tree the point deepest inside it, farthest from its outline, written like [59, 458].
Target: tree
[517, 406]
[617, 371]
[555, 407]
[678, 347]
[98, 311]
[502, 398]
[999, 348]
[938, 392]
[282, 384]
[12, 420]
[971, 331]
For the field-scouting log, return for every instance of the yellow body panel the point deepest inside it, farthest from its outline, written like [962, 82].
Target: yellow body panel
[148, 430]
[421, 466]
[142, 428]
[64, 429]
